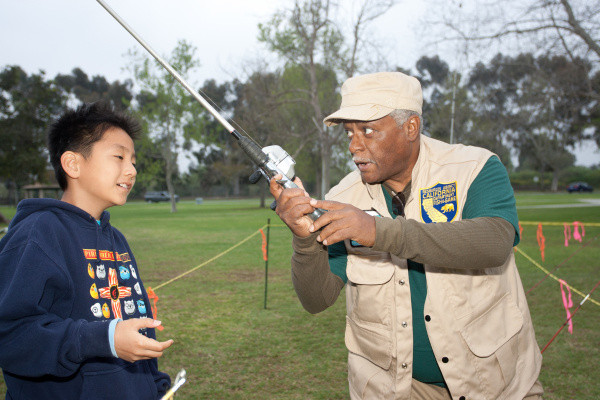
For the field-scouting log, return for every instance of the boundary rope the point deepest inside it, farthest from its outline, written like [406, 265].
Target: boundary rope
[564, 261]
[594, 224]
[212, 259]
[552, 275]
[548, 273]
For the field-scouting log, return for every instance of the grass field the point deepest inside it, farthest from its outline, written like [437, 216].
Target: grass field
[232, 348]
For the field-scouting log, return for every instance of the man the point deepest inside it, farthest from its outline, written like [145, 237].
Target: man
[421, 236]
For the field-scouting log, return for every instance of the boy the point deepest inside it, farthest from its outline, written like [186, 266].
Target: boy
[72, 305]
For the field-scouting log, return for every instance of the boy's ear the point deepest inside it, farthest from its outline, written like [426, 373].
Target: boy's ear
[70, 162]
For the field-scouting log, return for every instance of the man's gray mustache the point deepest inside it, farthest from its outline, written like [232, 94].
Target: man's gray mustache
[359, 160]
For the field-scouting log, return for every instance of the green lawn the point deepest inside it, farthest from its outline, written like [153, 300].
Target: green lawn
[232, 348]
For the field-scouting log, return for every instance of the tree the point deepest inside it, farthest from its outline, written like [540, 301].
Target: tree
[28, 104]
[230, 164]
[564, 28]
[261, 109]
[171, 117]
[98, 88]
[307, 37]
[539, 103]
[453, 112]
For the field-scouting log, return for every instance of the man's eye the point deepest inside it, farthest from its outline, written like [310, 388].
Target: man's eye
[368, 131]
[119, 157]
[350, 134]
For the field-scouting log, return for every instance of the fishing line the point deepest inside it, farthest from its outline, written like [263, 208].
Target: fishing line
[271, 160]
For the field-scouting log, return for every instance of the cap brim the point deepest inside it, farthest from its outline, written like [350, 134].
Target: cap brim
[363, 112]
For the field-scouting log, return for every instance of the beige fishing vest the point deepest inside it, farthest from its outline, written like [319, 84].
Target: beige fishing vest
[477, 320]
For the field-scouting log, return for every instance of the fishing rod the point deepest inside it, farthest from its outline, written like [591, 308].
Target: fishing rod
[271, 160]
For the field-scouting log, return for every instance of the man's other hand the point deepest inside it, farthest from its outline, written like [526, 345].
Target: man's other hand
[343, 221]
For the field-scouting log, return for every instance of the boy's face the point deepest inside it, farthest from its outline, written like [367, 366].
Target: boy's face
[107, 174]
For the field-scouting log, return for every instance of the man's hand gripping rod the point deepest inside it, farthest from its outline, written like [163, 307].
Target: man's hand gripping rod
[271, 160]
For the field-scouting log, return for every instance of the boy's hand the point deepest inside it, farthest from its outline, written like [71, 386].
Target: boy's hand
[131, 345]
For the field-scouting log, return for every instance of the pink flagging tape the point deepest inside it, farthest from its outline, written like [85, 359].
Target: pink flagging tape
[576, 235]
[570, 317]
[567, 234]
[567, 303]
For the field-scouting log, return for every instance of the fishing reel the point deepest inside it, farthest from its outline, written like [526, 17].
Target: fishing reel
[273, 160]
[279, 162]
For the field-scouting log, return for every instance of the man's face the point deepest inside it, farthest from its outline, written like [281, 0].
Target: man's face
[382, 150]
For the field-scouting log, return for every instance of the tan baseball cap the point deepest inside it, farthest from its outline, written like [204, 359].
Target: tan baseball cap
[373, 96]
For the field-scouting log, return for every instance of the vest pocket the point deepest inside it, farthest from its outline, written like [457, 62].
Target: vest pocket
[369, 342]
[493, 340]
[367, 267]
[369, 302]
[370, 297]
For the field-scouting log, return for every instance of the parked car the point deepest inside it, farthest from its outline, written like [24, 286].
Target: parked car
[579, 187]
[155, 197]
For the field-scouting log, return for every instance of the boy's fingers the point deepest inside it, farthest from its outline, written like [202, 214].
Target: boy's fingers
[146, 323]
[139, 323]
[166, 344]
[155, 345]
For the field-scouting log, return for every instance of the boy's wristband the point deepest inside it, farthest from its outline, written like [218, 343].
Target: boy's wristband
[111, 336]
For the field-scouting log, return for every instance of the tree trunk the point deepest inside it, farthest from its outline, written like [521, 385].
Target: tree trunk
[171, 193]
[169, 179]
[325, 166]
[318, 187]
[263, 193]
[554, 186]
[236, 186]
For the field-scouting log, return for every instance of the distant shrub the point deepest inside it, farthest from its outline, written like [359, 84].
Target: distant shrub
[534, 180]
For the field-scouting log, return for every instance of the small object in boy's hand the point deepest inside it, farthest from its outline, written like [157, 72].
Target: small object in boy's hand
[179, 380]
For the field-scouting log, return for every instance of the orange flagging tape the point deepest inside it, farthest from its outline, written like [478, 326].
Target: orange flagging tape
[541, 240]
[154, 299]
[264, 245]
[520, 230]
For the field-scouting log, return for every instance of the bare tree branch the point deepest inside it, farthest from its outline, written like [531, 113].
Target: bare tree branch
[578, 30]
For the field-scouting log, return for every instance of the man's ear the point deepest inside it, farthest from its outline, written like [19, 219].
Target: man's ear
[413, 127]
[70, 162]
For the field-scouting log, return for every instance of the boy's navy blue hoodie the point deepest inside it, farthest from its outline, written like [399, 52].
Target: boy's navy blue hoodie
[63, 278]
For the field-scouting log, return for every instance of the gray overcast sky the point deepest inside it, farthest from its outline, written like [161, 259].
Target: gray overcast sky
[58, 35]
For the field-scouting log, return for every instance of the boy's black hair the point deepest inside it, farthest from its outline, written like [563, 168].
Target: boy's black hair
[77, 130]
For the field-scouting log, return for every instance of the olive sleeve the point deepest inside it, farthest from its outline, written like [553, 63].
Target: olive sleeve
[316, 286]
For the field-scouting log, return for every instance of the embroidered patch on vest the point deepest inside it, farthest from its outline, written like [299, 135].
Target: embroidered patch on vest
[438, 203]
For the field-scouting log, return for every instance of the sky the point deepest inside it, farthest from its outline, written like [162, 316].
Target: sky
[58, 35]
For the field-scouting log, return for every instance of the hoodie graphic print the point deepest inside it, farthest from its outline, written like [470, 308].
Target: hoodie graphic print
[63, 278]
